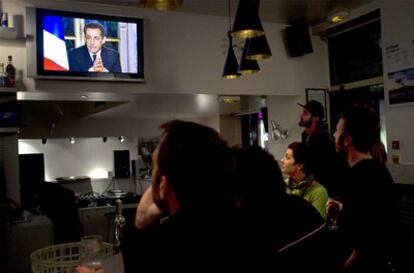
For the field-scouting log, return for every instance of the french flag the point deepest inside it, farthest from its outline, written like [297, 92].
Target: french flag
[54, 47]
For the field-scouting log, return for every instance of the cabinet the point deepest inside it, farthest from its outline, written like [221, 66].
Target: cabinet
[24, 238]
[100, 220]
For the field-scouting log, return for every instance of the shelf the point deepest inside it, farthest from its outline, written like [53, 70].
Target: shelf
[8, 33]
[8, 90]
[9, 129]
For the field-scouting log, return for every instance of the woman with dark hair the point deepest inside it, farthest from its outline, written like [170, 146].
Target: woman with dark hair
[297, 164]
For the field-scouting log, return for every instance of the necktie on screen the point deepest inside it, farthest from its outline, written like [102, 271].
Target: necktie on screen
[93, 58]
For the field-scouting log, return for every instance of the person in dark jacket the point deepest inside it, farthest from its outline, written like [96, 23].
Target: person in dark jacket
[192, 192]
[94, 56]
[330, 168]
[368, 216]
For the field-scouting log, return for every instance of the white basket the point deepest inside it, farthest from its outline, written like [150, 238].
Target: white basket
[62, 258]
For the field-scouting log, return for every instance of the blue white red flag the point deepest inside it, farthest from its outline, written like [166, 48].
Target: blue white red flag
[55, 55]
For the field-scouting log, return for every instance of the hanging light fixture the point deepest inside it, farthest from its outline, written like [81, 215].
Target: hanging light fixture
[231, 67]
[72, 140]
[247, 23]
[258, 49]
[161, 5]
[121, 139]
[248, 66]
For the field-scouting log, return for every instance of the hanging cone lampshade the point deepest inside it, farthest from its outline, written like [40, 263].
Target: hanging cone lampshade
[247, 23]
[248, 66]
[258, 49]
[231, 66]
[160, 5]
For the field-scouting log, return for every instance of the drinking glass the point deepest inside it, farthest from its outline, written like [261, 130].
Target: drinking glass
[91, 253]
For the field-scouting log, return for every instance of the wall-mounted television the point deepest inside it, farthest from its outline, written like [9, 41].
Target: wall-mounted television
[83, 46]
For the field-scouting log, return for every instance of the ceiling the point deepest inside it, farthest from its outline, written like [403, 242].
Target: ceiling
[275, 11]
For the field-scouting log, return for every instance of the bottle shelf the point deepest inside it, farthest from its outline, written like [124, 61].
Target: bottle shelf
[8, 90]
[8, 33]
[9, 129]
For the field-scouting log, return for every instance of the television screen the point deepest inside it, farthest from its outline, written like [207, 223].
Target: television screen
[90, 46]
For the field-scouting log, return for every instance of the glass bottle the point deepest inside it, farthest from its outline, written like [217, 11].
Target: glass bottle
[11, 73]
[3, 76]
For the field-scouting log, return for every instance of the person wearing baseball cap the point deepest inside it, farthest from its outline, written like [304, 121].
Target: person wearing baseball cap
[328, 165]
[312, 116]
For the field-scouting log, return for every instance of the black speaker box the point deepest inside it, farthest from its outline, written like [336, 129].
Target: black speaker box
[32, 174]
[121, 163]
[298, 40]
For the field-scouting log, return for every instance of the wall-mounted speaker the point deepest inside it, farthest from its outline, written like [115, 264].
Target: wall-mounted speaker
[121, 164]
[298, 40]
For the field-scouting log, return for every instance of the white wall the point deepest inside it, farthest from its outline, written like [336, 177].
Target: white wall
[87, 157]
[284, 111]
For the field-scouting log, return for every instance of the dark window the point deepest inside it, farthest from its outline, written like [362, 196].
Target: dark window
[356, 54]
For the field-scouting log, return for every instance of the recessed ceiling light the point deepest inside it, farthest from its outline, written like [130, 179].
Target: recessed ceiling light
[338, 17]
[230, 99]
[84, 96]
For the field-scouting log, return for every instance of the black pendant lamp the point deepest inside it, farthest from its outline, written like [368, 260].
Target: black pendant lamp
[231, 67]
[247, 23]
[248, 66]
[258, 49]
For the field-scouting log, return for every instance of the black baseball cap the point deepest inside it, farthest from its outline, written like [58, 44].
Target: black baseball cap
[315, 108]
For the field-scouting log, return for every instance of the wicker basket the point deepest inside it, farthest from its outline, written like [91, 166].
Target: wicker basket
[62, 258]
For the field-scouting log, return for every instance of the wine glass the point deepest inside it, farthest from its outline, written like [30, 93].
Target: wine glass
[333, 210]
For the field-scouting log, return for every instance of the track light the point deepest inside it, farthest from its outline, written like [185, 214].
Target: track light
[247, 23]
[72, 140]
[277, 131]
[44, 140]
[104, 139]
[121, 139]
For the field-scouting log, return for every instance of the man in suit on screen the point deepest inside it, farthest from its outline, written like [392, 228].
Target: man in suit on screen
[93, 56]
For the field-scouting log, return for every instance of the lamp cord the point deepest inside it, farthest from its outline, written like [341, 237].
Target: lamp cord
[229, 15]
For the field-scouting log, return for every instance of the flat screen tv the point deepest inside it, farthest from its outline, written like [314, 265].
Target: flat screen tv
[73, 45]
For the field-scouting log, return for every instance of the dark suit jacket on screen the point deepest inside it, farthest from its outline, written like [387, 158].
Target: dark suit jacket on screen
[80, 60]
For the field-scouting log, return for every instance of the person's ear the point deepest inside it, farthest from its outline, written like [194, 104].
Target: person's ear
[347, 140]
[316, 118]
[104, 40]
[163, 187]
[299, 166]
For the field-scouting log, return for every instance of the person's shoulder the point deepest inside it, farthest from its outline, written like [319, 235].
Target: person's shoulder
[76, 50]
[110, 50]
[318, 188]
